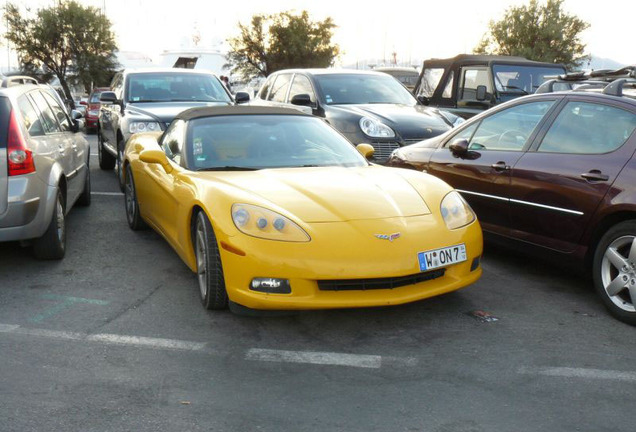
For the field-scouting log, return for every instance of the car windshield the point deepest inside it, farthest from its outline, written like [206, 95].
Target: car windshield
[363, 89]
[239, 142]
[95, 97]
[522, 79]
[175, 87]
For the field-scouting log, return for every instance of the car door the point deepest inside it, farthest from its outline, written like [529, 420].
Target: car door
[76, 148]
[557, 186]
[482, 175]
[278, 92]
[302, 85]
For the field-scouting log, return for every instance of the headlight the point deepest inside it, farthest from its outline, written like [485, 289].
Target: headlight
[263, 223]
[455, 211]
[375, 129]
[142, 126]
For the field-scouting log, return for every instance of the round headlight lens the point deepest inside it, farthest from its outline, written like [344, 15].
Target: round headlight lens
[375, 129]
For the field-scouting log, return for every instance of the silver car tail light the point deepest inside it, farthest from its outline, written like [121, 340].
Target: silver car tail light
[20, 158]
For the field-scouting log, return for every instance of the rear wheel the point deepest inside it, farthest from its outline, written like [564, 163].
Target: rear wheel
[52, 245]
[209, 268]
[106, 160]
[85, 198]
[614, 271]
[135, 222]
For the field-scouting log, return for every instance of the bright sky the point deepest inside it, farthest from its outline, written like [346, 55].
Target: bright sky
[414, 29]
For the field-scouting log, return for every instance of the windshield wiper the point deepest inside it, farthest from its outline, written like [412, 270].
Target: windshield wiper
[228, 168]
[517, 88]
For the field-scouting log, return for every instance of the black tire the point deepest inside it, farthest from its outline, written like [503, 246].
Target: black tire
[85, 198]
[614, 271]
[106, 160]
[120, 163]
[135, 222]
[52, 245]
[209, 268]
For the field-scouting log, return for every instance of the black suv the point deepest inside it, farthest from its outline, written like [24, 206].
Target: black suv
[147, 100]
[469, 84]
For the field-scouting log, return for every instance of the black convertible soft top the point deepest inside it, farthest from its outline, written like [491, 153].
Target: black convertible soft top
[194, 113]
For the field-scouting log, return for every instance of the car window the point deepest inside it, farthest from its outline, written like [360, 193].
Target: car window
[471, 79]
[279, 88]
[301, 85]
[174, 87]
[117, 85]
[95, 97]
[352, 88]
[466, 133]
[509, 129]
[49, 123]
[430, 80]
[31, 117]
[448, 90]
[172, 142]
[58, 111]
[588, 128]
[262, 94]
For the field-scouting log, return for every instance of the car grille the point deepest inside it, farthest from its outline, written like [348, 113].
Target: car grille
[383, 150]
[378, 283]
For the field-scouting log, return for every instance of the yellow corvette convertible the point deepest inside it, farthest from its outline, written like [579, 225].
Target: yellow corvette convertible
[274, 209]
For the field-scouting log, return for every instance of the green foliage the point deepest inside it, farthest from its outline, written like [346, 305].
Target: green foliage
[69, 40]
[281, 41]
[537, 32]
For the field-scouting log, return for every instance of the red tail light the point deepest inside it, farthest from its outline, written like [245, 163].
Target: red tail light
[19, 156]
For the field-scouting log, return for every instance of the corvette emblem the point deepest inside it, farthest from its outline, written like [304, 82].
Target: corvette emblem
[389, 237]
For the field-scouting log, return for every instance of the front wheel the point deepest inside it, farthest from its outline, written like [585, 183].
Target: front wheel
[209, 268]
[614, 271]
[132, 204]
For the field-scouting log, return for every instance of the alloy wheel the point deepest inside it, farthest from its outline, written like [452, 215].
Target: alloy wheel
[618, 272]
[202, 258]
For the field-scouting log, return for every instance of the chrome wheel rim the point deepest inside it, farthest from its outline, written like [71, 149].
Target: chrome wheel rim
[59, 210]
[120, 171]
[99, 147]
[131, 205]
[202, 258]
[618, 272]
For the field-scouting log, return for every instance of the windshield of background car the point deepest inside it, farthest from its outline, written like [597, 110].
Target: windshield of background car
[95, 97]
[516, 80]
[363, 89]
[174, 87]
[266, 141]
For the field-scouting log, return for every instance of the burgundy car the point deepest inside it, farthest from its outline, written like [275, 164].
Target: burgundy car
[554, 170]
[92, 111]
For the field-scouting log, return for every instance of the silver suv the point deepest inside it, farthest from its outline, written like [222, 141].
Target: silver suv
[43, 166]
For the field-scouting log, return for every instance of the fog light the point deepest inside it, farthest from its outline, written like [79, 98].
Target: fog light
[475, 264]
[271, 285]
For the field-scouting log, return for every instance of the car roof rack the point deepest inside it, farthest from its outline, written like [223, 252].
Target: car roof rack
[611, 81]
[17, 80]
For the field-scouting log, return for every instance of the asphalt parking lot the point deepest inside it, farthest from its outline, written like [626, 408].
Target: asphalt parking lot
[114, 338]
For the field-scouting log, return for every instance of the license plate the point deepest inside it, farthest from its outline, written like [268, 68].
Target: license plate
[441, 257]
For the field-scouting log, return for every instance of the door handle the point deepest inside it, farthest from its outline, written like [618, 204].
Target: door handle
[500, 166]
[595, 175]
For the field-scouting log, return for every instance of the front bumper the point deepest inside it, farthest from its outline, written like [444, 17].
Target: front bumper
[348, 251]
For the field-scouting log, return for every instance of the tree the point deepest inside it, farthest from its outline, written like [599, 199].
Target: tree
[69, 40]
[282, 41]
[537, 32]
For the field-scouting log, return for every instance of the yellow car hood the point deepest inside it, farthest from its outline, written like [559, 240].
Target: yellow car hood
[332, 194]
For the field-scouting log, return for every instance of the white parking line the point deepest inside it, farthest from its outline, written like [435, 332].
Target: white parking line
[107, 193]
[584, 373]
[146, 342]
[321, 358]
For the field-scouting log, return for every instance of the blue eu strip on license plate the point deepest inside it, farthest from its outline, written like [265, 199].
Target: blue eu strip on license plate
[442, 257]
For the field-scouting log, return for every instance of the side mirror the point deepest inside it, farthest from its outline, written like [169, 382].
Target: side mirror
[459, 147]
[76, 115]
[481, 93]
[302, 99]
[366, 150]
[241, 97]
[423, 100]
[157, 157]
[108, 97]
